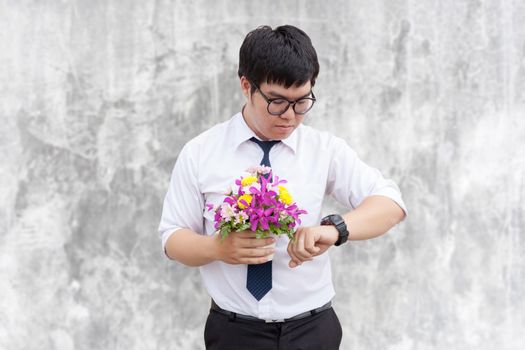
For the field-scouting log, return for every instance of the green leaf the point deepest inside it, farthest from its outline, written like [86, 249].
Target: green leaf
[243, 227]
[224, 232]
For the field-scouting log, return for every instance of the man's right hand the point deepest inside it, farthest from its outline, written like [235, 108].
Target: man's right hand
[243, 248]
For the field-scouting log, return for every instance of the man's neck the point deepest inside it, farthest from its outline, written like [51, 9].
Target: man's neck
[246, 111]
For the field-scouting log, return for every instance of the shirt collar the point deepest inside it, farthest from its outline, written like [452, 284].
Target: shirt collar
[241, 132]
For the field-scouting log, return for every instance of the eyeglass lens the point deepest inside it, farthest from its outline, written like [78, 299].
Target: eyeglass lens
[279, 106]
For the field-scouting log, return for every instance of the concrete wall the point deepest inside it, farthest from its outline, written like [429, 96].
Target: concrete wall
[98, 97]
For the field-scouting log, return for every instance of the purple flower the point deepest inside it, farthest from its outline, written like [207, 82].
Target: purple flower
[265, 214]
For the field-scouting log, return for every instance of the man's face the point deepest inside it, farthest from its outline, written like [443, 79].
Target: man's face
[265, 125]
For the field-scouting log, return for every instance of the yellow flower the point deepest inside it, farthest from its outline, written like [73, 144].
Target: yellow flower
[247, 198]
[248, 180]
[284, 195]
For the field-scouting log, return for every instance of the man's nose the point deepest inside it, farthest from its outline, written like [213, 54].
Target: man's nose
[289, 114]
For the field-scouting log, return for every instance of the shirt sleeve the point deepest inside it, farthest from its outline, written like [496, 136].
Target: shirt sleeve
[184, 203]
[350, 180]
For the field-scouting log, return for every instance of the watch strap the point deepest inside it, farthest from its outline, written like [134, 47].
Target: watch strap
[340, 225]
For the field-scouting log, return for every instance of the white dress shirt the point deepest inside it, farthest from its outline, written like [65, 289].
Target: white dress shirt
[314, 163]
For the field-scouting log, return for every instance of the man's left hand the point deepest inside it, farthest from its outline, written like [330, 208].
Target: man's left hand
[310, 242]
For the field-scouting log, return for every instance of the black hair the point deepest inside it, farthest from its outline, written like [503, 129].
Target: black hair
[284, 55]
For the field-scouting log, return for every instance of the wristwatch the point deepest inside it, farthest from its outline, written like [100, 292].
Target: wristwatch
[337, 221]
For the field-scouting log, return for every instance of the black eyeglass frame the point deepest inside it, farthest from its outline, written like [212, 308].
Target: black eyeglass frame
[290, 103]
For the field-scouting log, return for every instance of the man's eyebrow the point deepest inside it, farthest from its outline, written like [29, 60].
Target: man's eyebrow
[277, 95]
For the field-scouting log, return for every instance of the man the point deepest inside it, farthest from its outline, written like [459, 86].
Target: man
[277, 71]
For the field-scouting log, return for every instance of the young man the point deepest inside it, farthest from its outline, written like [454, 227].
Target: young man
[277, 70]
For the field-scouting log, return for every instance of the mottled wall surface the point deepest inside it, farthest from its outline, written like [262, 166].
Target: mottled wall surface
[99, 96]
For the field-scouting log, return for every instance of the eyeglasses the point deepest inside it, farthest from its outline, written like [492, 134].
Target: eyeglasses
[278, 106]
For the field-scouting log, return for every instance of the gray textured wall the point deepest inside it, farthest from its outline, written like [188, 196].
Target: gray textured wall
[98, 97]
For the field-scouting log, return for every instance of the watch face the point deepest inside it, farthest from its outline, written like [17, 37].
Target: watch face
[336, 219]
[326, 220]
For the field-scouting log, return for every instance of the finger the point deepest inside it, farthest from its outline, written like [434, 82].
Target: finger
[256, 259]
[250, 240]
[262, 242]
[299, 248]
[256, 252]
[298, 241]
[252, 237]
[300, 258]
[246, 234]
[296, 261]
[310, 245]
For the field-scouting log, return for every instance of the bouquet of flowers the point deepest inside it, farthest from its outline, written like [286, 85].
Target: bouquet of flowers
[259, 203]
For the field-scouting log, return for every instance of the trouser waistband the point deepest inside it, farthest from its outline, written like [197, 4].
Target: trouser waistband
[233, 315]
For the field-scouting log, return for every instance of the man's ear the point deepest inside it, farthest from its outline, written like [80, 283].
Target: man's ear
[245, 86]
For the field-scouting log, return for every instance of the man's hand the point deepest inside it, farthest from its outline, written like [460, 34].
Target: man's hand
[243, 248]
[310, 242]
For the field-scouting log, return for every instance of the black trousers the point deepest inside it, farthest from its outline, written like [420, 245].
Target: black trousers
[318, 332]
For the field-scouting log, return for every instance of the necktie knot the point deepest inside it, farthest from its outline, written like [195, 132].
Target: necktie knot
[266, 146]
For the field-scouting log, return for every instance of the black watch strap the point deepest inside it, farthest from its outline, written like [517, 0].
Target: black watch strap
[339, 223]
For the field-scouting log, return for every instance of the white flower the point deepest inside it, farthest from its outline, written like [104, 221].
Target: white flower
[229, 190]
[227, 211]
[241, 217]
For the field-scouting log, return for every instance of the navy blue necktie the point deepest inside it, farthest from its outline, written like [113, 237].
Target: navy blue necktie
[259, 280]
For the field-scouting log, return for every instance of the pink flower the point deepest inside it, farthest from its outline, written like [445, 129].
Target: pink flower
[259, 169]
[257, 186]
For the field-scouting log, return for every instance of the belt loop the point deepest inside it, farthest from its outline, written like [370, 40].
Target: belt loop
[232, 316]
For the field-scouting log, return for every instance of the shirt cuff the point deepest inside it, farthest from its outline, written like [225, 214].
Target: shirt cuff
[166, 235]
[393, 195]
